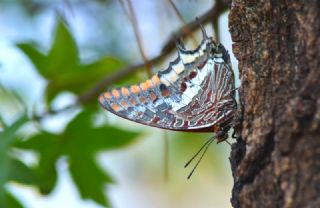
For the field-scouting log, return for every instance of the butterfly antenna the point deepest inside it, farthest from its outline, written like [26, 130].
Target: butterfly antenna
[195, 155]
[204, 152]
[204, 33]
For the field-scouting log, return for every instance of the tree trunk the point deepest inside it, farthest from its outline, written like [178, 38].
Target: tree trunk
[276, 161]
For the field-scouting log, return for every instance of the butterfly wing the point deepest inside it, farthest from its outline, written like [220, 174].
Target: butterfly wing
[194, 93]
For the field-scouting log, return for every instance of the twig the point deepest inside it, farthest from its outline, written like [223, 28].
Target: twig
[66, 6]
[133, 19]
[123, 5]
[186, 29]
[55, 111]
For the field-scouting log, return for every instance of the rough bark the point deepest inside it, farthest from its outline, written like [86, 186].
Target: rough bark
[276, 162]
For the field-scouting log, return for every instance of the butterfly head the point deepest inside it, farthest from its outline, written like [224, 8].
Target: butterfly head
[218, 51]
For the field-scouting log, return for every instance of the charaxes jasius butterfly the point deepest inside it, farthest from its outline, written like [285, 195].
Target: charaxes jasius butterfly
[195, 93]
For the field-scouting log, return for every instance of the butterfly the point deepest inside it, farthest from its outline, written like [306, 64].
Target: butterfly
[196, 93]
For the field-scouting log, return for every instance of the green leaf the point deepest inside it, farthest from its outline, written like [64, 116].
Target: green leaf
[84, 78]
[21, 173]
[38, 59]
[89, 177]
[10, 201]
[62, 58]
[80, 143]
[48, 146]
[63, 55]
[7, 137]
[9, 134]
[96, 139]
[83, 143]
[63, 69]
[61, 62]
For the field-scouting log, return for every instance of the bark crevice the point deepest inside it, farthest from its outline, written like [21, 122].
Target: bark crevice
[259, 162]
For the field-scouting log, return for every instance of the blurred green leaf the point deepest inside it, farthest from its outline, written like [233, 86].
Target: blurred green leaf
[88, 139]
[11, 102]
[38, 59]
[80, 143]
[9, 134]
[63, 55]
[89, 177]
[83, 143]
[21, 173]
[82, 79]
[62, 67]
[7, 137]
[10, 201]
[48, 147]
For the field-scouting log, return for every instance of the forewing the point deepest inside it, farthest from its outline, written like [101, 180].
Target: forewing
[193, 93]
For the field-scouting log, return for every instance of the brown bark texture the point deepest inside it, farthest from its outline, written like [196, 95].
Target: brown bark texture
[276, 161]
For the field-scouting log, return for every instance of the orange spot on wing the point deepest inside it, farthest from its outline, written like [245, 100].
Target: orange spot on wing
[149, 84]
[133, 101]
[143, 86]
[165, 93]
[101, 99]
[124, 103]
[155, 79]
[135, 89]
[142, 99]
[153, 96]
[115, 93]
[115, 107]
[125, 91]
[107, 95]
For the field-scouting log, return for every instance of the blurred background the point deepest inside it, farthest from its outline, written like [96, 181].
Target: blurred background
[58, 148]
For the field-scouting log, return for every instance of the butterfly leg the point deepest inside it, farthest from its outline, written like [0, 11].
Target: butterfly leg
[234, 134]
[222, 134]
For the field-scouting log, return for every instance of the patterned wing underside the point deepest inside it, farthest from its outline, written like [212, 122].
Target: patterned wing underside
[195, 92]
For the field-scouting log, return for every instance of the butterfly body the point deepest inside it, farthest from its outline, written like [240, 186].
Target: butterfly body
[195, 93]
